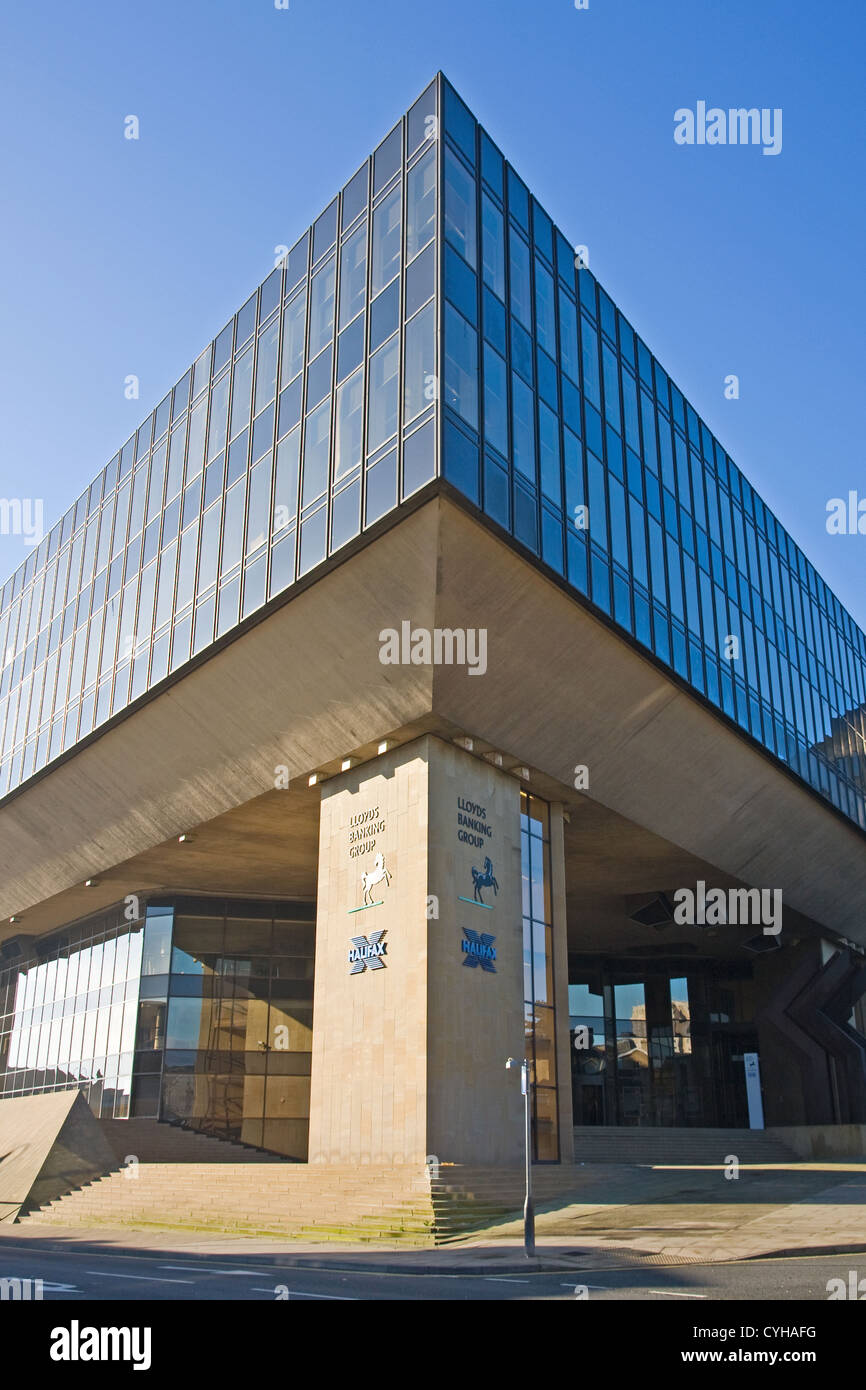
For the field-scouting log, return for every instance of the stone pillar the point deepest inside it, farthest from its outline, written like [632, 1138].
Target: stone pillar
[410, 1037]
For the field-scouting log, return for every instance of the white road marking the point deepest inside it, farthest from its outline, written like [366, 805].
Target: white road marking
[148, 1278]
[502, 1279]
[296, 1293]
[672, 1293]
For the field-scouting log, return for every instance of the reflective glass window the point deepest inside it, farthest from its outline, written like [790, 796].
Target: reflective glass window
[349, 426]
[322, 291]
[317, 439]
[420, 204]
[294, 333]
[353, 275]
[384, 395]
[420, 363]
[461, 366]
[387, 225]
[460, 207]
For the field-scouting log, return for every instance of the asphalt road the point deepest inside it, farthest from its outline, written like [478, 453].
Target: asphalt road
[73, 1275]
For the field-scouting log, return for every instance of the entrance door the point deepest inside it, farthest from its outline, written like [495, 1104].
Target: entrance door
[588, 1054]
[730, 1076]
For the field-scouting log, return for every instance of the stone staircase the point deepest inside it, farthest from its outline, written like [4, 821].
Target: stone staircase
[261, 1195]
[153, 1141]
[650, 1146]
[311, 1202]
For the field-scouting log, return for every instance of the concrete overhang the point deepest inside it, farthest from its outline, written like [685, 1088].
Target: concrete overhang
[304, 687]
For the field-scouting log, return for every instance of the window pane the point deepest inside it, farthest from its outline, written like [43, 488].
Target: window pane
[545, 313]
[384, 380]
[350, 419]
[233, 527]
[460, 208]
[195, 447]
[386, 241]
[322, 308]
[266, 368]
[521, 303]
[461, 366]
[286, 484]
[293, 337]
[493, 246]
[568, 336]
[386, 160]
[420, 363]
[420, 281]
[420, 205]
[381, 488]
[325, 231]
[548, 439]
[355, 197]
[210, 544]
[523, 426]
[186, 567]
[317, 440]
[258, 507]
[495, 400]
[353, 275]
[241, 393]
[218, 417]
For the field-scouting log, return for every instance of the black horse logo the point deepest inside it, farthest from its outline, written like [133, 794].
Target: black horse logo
[484, 879]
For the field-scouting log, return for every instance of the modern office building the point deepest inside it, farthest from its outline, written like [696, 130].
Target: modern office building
[422, 685]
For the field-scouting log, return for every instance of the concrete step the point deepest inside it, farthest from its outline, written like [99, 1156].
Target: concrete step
[301, 1200]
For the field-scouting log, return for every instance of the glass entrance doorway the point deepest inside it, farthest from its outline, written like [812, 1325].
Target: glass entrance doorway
[651, 1046]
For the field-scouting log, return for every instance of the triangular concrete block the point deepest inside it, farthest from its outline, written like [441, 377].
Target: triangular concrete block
[49, 1144]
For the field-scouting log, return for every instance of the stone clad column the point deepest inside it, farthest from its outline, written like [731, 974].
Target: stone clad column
[410, 1037]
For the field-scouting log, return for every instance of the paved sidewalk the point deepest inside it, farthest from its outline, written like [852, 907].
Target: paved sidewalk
[697, 1214]
[633, 1217]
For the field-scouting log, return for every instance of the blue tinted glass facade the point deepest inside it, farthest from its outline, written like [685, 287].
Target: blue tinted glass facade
[560, 424]
[307, 418]
[431, 321]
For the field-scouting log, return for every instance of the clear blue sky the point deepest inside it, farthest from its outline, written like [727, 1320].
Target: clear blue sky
[121, 257]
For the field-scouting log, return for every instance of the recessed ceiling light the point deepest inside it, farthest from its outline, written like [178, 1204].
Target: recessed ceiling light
[312, 779]
[383, 747]
[91, 883]
[185, 839]
[345, 764]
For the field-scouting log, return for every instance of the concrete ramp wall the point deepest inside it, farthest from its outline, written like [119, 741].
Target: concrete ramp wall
[49, 1144]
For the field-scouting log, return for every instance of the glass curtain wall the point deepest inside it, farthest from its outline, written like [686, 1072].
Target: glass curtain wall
[69, 1019]
[560, 424]
[307, 418]
[200, 1014]
[538, 982]
[224, 1035]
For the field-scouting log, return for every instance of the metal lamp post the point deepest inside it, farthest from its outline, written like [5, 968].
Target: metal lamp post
[528, 1207]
